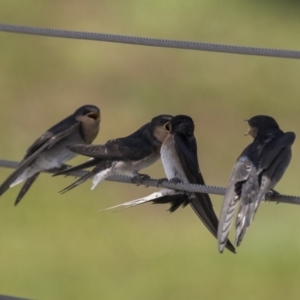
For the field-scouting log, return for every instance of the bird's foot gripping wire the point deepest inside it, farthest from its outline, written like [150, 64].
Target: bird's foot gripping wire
[175, 180]
[165, 180]
[161, 181]
[139, 179]
[273, 194]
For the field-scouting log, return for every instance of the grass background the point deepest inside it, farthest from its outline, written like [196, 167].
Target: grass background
[58, 246]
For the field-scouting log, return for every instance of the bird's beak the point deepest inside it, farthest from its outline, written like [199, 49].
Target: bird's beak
[168, 126]
[93, 115]
[252, 131]
[249, 130]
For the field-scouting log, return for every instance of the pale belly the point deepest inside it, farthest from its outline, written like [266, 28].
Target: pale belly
[171, 162]
[49, 159]
[126, 168]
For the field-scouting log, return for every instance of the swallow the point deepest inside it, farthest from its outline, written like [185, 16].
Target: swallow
[123, 156]
[49, 150]
[256, 172]
[180, 162]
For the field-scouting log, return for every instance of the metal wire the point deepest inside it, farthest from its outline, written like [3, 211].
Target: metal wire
[188, 187]
[114, 38]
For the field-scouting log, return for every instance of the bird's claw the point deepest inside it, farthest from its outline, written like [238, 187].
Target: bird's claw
[175, 180]
[160, 181]
[139, 179]
[272, 194]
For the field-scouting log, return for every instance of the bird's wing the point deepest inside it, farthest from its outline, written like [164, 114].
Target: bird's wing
[118, 149]
[240, 173]
[274, 160]
[53, 135]
[46, 141]
[272, 151]
[186, 149]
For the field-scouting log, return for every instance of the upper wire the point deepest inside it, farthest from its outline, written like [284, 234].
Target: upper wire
[115, 38]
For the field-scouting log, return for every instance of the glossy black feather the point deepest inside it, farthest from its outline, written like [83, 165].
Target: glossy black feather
[136, 151]
[260, 166]
[179, 155]
[26, 186]
[175, 201]
[87, 164]
[186, 148]
[133, 147]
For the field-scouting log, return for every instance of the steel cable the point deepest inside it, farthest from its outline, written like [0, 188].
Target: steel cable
[114, 38]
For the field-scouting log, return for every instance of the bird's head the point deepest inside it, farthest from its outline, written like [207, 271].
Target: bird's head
[260, 122]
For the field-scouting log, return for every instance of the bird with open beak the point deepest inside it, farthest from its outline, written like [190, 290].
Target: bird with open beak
[49, 151]
[257, 170]
[123, 156]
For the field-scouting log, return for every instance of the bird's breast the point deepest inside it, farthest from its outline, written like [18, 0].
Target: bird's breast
[132, 166]
[171, 161]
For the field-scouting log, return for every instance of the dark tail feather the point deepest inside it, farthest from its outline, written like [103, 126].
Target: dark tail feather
[26, 186]
[87, 164]
[203, 208]
[175, 201]
[4, 187]
[77, 182]
[9, 180]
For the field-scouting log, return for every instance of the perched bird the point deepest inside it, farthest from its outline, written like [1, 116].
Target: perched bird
[257, 170]
[49, 151]
[124, 156]
[180, 162]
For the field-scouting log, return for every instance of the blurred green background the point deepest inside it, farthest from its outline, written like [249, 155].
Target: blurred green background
[58, 246]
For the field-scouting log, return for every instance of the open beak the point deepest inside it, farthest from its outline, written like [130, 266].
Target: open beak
[252, 131]
[168, 126]
[249, 130]
[94, 115]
